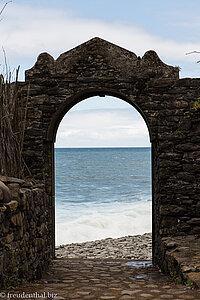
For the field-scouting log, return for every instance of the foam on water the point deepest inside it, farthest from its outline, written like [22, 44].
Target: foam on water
[135, 219]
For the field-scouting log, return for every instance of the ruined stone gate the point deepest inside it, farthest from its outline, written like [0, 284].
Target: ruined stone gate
[169, 106]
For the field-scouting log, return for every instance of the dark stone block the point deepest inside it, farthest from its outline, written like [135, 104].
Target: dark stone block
[188, 147]
[194, 221]
[168, 222]
[198, 209]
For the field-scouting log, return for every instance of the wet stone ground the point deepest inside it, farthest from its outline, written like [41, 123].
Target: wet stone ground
[98, 279]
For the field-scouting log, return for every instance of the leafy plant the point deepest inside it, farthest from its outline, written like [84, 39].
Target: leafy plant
[178, 133]
[196, 104]
[175, 278]
[188, 283]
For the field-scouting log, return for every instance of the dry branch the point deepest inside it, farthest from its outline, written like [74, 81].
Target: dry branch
[196, 52]
[12, 120]
[4, 7]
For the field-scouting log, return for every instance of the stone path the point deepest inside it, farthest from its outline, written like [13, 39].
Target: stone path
[97, 279]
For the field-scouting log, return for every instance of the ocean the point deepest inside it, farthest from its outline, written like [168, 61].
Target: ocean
[101, 193]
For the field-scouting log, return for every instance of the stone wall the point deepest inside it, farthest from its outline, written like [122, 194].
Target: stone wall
[176, 162]
[24, 238]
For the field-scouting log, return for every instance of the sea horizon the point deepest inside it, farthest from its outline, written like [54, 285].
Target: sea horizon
[102, 147]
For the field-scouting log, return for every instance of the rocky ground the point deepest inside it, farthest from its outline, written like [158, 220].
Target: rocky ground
[137, 247]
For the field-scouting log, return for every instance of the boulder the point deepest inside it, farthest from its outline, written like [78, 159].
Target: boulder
[6, 192]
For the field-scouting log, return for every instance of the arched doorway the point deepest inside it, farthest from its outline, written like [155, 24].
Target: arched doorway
[99, 68]
[103, 165]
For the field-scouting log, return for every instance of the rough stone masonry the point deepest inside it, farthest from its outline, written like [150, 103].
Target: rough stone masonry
[170, 107]
[24, 235]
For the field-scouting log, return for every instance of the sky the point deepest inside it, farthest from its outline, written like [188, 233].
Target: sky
[171, 28]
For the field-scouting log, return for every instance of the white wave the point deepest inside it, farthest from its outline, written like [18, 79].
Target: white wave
[135, 219]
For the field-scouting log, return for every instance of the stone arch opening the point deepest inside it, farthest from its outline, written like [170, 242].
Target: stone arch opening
[131, 107]
[83, 95]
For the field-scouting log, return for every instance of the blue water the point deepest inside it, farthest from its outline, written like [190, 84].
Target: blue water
[102, 192]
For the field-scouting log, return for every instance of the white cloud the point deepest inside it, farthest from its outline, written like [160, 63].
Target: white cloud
[26, 31]
[117, 127]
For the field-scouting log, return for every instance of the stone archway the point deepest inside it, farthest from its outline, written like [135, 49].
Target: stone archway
[100, 68]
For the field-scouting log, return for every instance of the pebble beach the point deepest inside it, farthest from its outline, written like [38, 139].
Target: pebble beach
[138, 247]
